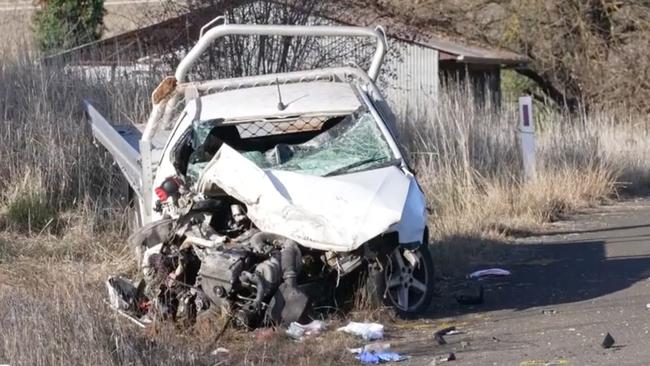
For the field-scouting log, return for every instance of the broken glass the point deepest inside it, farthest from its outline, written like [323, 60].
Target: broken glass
[354, 144]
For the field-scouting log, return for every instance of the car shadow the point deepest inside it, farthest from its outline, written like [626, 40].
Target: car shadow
[544, 273]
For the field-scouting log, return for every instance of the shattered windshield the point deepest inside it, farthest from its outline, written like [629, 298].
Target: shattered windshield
[354, 144]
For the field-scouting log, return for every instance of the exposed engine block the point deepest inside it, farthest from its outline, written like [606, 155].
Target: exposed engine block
[219, 273]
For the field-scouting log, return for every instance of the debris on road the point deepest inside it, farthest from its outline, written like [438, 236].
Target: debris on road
[472, 294]
[372, 347]
[298, 331]
[367, 331]
[559, 362]
[608, 342]
[549, 311]
[439, 335]
[442, 359]
[371, 357]
[492, 272]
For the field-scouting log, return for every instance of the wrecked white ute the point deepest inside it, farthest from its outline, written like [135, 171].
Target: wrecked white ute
[271, 197]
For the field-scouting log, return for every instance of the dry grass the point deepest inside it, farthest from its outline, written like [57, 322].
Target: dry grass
[60, 320]
[49, 164]
[62, 208]
[468, 162]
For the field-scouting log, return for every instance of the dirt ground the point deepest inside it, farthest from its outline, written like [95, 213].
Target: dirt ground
[582, 279]
[569, 286]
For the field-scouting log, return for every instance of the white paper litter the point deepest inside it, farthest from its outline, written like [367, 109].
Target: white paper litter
[367, 331]
[298, 331]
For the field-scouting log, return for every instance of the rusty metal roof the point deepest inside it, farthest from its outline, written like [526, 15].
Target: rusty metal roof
[183, 31]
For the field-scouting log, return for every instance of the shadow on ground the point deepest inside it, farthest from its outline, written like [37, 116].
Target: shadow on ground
[546, 271]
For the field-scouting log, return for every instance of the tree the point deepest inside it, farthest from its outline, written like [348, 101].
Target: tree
[582, 52]
[236, 56]
[62, 24]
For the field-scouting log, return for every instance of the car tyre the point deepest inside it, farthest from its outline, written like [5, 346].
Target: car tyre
[403, 279]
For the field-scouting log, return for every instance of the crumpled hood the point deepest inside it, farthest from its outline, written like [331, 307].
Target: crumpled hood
[337, 213]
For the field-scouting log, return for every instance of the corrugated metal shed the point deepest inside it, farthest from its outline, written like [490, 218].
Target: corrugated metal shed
[415, 75]
[416, 78]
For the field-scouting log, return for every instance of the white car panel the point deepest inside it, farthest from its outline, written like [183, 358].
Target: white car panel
[338, 213]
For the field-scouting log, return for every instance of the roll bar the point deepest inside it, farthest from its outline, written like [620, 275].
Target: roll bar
[283, 30]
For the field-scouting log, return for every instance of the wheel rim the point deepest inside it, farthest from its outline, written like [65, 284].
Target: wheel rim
[407, 279]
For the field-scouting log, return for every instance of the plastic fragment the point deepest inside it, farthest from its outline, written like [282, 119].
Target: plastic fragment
[368, 357]
[492, 272]
[299, 331]
[295, 331]
[444, 358]
[438, 335]
[220, 350]
[608, 342]
[559, 362]
[372, 347]
[122, 294]
[367, 331]
[390, 357]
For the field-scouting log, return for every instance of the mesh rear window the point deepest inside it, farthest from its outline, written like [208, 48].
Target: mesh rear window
[269, 128]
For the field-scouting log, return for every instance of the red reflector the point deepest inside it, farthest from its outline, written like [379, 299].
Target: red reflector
[162, 195]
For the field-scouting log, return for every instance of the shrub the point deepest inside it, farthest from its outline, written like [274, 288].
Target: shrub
[62, 24]
[27, 208]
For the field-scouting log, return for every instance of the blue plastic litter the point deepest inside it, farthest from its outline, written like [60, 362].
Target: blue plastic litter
[390, 357]
[368, 357]
[375, 358]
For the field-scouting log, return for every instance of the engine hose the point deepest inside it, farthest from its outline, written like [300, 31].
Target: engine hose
[290, 258]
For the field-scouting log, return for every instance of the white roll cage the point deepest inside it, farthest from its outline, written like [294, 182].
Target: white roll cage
[220, 31]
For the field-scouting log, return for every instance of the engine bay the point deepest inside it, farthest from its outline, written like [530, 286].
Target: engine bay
[213, 258]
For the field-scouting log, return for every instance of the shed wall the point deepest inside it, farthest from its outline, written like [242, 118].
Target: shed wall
[416, 80]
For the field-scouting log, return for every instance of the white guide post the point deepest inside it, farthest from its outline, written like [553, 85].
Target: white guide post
[527, 136]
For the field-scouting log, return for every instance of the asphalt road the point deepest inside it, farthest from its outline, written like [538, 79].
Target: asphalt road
[568, 288]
